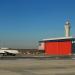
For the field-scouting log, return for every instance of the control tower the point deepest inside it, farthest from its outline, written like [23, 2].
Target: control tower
[67, 28]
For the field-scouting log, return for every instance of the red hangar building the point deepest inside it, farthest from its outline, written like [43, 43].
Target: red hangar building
[58, 46]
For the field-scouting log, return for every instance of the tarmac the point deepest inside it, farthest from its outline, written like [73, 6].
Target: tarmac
[37, 67]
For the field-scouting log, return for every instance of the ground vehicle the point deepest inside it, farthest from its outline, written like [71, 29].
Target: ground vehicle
[8, 52]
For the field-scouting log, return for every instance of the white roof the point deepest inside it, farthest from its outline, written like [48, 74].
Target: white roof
[4, 48]
[59, 38]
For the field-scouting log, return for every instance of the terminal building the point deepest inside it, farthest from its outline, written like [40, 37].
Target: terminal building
[59, 46]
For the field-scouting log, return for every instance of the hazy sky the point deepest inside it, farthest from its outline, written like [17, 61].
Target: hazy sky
[25, 22]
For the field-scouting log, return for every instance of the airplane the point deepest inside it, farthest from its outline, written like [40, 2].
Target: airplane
[8, 52]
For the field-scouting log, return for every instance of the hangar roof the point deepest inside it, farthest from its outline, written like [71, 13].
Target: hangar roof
[59, 38]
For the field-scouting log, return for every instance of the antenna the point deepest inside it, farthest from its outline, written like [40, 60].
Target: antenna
[68, 19]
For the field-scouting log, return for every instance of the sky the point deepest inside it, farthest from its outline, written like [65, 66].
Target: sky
[25, 22]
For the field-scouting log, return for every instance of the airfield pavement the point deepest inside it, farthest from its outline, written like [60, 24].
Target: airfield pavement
[37, 67]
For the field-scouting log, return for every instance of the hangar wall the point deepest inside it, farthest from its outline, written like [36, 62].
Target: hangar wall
[58, 47]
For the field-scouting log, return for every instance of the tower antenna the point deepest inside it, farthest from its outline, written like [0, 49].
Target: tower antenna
[68, 19]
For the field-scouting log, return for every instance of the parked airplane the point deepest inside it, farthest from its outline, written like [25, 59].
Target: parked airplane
[8, 52]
